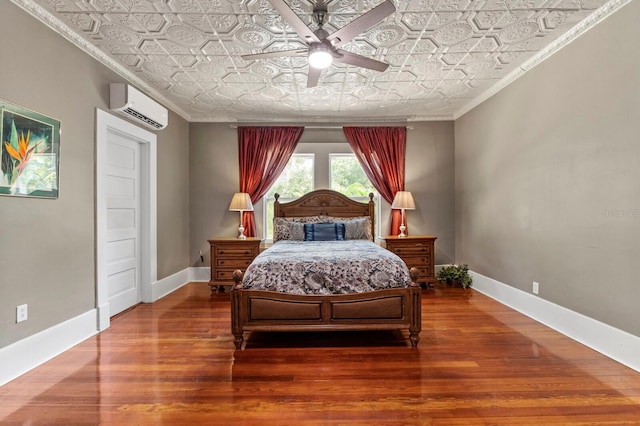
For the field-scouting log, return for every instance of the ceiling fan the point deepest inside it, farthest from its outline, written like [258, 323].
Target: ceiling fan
[324, 48]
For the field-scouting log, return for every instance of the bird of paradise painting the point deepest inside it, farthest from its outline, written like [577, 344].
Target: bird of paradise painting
[30, 148]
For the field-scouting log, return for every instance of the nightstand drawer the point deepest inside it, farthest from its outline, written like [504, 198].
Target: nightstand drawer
[233, 263]
[233, 252]
[418, 262]
[411, 249]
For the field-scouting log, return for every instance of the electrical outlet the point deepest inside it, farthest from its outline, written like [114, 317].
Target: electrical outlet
[536, 287]
[21, 313]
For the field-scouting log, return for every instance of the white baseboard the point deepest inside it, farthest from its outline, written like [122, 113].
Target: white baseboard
[26, 354]
[616, 344]
[169, 284]
[202, 273]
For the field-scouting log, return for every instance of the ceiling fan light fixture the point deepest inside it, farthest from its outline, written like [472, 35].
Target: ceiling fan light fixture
[320, 57]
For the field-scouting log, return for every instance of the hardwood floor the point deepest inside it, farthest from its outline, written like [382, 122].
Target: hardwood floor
[173, 362]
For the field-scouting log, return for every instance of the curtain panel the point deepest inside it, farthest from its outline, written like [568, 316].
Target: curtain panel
[263, 153]
[381, 153]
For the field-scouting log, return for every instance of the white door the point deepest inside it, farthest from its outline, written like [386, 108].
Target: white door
[122, 192]
[126, 219]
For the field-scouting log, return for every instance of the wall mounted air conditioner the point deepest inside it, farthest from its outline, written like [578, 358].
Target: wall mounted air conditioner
[131, 102]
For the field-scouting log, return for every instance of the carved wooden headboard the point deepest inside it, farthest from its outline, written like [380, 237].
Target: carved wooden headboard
[324, 202]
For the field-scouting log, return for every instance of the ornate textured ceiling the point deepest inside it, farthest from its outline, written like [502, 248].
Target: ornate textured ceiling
[445, 56]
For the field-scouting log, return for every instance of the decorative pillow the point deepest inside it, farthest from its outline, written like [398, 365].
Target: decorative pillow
[324, 231]
[291, 228]
[356, 228]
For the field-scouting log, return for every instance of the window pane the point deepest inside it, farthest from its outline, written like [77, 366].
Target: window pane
[348, 177]
[296, 180]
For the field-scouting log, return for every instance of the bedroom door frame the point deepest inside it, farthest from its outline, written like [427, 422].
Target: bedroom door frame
[106, 123]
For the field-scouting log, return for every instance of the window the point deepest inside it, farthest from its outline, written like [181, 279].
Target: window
[340, 172]
[296, 180]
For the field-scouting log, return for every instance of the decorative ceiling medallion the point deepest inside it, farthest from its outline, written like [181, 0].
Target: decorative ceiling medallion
[252, 37]
[263, 69]
[453, 33]
[185, 35]
[119, 34]
[387, 35]
[519, 32]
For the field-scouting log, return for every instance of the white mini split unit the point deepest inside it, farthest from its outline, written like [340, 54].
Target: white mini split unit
[129, 101]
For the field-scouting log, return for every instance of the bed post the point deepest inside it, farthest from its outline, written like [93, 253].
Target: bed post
[276, 205]
[372, 215]
[415, 293]
[236, 309]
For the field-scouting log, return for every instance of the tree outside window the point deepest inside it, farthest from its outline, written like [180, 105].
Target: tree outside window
[296, 180]
[347, 176]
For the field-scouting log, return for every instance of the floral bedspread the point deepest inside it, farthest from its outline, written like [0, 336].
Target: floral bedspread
[326, 267]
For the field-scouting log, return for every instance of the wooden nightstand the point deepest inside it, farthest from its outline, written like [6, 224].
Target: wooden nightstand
[229, 254]
[417, 252]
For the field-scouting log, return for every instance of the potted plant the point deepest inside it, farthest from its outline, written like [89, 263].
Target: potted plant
[456, 275]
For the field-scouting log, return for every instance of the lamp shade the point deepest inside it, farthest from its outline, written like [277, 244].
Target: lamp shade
[241, 202]
[403, 200]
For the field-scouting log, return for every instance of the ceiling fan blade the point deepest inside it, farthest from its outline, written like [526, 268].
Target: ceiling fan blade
[361, 24]
[360, 61]
[313, 77]
[294, 21]
[277, 54]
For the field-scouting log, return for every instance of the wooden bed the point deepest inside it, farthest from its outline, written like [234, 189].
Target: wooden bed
[389, 309]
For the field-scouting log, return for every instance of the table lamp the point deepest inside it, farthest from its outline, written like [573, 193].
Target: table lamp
[403, 201]
[241, 202]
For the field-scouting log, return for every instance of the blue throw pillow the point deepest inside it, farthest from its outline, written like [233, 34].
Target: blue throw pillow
[324, 231]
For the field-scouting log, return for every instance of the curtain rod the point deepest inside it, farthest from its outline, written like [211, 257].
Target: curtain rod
[235, 126]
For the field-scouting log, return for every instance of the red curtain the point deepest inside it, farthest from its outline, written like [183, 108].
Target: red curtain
[381, 152]
[263, 154]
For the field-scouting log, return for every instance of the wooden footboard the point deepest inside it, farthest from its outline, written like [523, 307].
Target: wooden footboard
[391, 309]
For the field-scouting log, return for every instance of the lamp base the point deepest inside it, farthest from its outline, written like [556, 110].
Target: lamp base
[402, 229]
[241, 235]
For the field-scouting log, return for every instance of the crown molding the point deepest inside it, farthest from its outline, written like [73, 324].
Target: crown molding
[586, 24]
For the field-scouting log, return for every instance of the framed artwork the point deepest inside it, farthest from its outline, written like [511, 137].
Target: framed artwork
[29, 153]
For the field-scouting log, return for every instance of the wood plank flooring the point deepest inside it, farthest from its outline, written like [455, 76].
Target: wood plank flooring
[173, 362]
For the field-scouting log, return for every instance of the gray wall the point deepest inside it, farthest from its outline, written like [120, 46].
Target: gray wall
[547, 177]
[214, 179]
[47, 246]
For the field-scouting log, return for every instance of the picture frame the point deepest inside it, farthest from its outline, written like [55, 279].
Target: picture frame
[29, 153]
